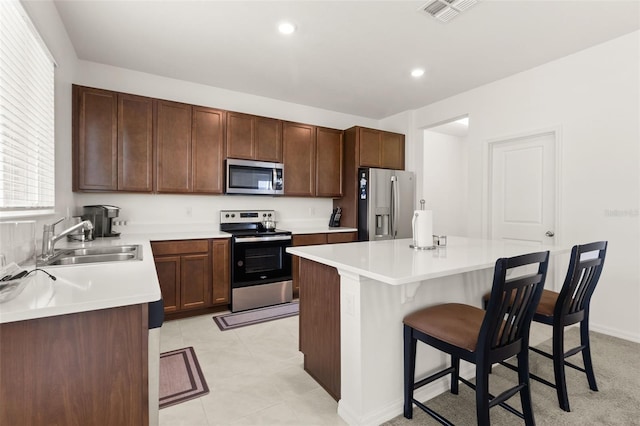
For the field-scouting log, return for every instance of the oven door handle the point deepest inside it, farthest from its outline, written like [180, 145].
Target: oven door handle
[240, 240]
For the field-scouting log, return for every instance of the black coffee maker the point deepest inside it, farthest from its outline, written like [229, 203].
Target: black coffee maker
[102, 219]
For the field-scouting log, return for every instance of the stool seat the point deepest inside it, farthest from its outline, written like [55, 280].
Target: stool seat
[547, 303]
[454, 323]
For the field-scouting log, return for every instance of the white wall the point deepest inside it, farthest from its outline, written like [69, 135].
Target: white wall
[593, 96]
[445, 182]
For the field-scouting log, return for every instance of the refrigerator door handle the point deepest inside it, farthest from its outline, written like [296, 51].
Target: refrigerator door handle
[394, 206]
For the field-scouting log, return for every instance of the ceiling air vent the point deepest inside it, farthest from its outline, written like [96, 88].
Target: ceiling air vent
[445, 10]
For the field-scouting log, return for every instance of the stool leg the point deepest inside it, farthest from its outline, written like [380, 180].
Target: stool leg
[409, 370]
[455, 363]
[558, 367]
[525, 392]
[482, 394]
[586, 353]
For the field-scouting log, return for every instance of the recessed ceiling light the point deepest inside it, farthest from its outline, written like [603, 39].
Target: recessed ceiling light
[286, 28]
[418, 72]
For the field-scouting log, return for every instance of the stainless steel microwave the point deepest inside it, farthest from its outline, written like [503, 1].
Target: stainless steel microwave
[254, 177]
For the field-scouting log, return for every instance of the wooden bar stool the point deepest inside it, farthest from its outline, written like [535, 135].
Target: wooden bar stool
[570, 306]
[483, 338]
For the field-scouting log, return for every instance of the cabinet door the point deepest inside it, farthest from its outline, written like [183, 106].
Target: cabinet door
[303, 240]
[329, 161]
[207, 143]
[268, 139]
[168, 270]
[195, 281]
[369, 149]
[173, 147]
[392, 151]
[341, 237]
[135, 143]
[95, 140]
[220, 276]
[299, 142]
[240, 142]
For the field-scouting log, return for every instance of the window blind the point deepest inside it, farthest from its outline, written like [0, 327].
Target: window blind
[27, 168]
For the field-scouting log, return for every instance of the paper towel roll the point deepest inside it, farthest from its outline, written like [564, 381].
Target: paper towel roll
[422, 228]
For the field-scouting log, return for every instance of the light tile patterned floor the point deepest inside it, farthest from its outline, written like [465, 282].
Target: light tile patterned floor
[254, 373]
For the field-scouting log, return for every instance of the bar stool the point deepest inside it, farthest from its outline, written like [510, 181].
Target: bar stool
[570, 306]
[483, 338]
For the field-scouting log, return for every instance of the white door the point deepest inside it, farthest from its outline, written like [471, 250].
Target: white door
[522, 187]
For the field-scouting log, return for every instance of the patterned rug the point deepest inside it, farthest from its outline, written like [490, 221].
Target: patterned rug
[181, 378]
[256, 316]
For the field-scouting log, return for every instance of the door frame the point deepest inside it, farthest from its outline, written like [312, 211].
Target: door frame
[488, 147]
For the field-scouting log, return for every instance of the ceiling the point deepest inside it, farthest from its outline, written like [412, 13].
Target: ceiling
[353, 57]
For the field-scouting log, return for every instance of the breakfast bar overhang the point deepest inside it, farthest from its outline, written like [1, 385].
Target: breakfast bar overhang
[380, 282]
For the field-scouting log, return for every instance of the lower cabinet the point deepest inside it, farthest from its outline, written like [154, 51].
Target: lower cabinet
[83, 368]
[315, 239]
[193, 274]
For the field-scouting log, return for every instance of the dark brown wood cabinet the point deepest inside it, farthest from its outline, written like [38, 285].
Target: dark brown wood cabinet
[320, 324]
[252, 137]
[299, 156]
[112, 141]
[329, 162]
[315, 239]
[313, 160]
[173, 147]
[77, 369]
[184, 273]
[207, 144]
[365, 147]
[221, 278]
[135, 143]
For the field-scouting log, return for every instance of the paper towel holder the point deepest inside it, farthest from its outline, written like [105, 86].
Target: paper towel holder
[414, 246]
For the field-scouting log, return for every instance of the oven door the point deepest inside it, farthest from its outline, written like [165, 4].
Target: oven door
[260, 260]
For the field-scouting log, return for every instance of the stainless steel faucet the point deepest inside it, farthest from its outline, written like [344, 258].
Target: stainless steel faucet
[49, 239]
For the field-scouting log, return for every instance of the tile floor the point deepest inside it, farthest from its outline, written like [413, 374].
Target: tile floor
[254, 373]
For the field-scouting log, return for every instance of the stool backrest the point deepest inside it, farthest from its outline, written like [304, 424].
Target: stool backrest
[512, 303]
[585, 267]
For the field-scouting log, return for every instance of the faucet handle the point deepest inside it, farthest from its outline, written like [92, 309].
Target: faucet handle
[52, 226]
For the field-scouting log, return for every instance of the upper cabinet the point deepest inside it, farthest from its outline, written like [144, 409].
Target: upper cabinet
[329, 162]
[312, 161]
[173, 147]
[207, 145]
[112, 141]
[377, 148]
[299, 146]
[251, 137]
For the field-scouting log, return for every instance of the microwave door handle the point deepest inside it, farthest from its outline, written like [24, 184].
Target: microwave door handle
[274, 179]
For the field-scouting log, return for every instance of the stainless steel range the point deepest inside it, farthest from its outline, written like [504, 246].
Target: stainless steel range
[260, 265]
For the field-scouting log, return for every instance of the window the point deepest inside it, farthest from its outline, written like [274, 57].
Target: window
[26, 116]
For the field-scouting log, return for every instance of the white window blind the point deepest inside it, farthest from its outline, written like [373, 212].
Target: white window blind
[26, 115]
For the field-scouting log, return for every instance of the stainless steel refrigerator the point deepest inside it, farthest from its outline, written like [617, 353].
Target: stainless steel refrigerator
[386, 200]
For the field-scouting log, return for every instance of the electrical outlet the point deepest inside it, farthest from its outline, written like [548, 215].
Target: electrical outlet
[189, 211]
[312, 211]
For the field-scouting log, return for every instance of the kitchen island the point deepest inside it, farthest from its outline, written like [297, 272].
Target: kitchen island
[379, 284]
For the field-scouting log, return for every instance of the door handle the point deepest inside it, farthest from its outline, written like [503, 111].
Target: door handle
[549, 233]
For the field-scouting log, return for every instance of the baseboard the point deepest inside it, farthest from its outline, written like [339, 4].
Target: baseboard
[396, 408]
[614, 332]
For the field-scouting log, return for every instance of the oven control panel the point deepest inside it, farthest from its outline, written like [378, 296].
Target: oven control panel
[246, 216]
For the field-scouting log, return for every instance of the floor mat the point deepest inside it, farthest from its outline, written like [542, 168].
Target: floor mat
[181, 378]
[256, 316]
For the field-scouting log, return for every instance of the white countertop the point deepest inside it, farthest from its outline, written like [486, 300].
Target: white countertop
[81, 288]
[394, 262]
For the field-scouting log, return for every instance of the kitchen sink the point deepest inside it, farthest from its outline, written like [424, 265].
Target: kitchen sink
[81, 256]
